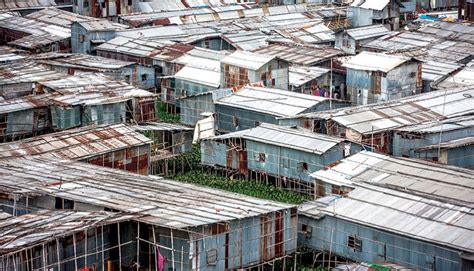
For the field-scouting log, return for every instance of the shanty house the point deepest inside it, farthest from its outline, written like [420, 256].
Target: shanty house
[407, 140]
[250, 106]
[433, 73]
[20, 78]
[115, 146]
[193, 227]
[92, 98]
[376, 77]
[374, 124]
[372, 224]
[86, 36]
[243, 67]
[308, 80]
[34, 36]
[350, 40]
[285, 155]
[59, 239]
[196, 72]
[199, 106]
[412, 176]
[369, 12]
[24, 116]
[133, 73]
[456, 152]
[168, 140]
[105, 9]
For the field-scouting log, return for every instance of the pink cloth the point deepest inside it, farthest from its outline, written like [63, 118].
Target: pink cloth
[160, 260]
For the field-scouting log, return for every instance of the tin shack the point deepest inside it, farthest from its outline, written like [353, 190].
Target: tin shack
[283, 156]
[192, 227]
[115, 146]
[363, 226]
[247, 107]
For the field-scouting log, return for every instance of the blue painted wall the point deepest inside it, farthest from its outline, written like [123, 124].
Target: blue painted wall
[377, 245]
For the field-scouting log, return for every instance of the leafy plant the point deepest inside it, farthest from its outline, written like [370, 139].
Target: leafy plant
[249, 188]
[165, 116]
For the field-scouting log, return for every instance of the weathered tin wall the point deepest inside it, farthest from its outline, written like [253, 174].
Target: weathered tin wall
[26, 122]
[331, 234]
[213, 153]
[345, 43]
[217, 44]
[134, 159]
[248, 241]
[81, 39]
[11, 91]
[400, 82]
[185, 88]
[273, 74]
[404, 144]
[459, 157]
[104, 113]
[65, 118]
[46, 257]
[280, 161]
[192, 107]
[226, 116]
[359, 16]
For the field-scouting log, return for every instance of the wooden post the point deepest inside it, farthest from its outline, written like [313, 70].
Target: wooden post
[172, 250]
[75, 250]
[57, 254]
[138, 246]
[102, 246]
[85, 248]
[119, 247]
[154, 248]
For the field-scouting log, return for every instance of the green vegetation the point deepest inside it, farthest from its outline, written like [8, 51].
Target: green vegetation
[165, 116]
[250, 188]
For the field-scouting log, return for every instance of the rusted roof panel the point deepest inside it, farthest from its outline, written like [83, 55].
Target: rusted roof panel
[77, 144]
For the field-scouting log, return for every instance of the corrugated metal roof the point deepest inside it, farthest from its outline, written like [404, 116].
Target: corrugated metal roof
[55, 16]
[24, 103]
[271, 101]
[456, 143]
[95, 82]
[405, 214]
[85, 62]
[300, 75]
[159, 201]
[370, 4]
[40, 33]
[299, 54]
[140, 47]
[400, 41]
[464, 77]
[199, 76]
[17, 5]
[436, 71]
[445, 183]
[370, 61]
[25, 72]
[394, 114]
[161, 126]
[46, 225]
[453, 31]
[77, 144]
[101, 25]
[247, 59]
[292, 138]
[448, 124]
[367, 32]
